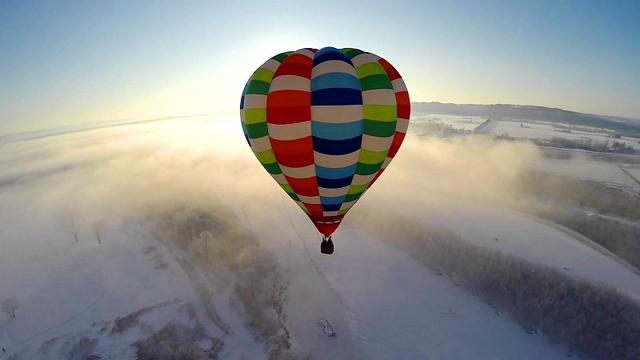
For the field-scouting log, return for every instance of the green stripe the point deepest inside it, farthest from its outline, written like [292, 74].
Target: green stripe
[369, 69]
[287, 188]
[257, 130]
[380, 112]
[280, 57]
[357, 189]
[372, 157]
[367, 169]
[244, 129]
[258, 87]
[266, 157]
[376, 82]
[263, 74]
[273, 168]
[351, 197]
[351, 53]
[379, 128]
[255, 116]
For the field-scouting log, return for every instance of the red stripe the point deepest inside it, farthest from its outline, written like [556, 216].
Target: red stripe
[392, 73]
[404, 104]
[293, 153]
[292, 147]
[402, 98]
[323, 228]
[295, 64]
[314, 209]
[288, 98]
[398, 137]
[306, 187]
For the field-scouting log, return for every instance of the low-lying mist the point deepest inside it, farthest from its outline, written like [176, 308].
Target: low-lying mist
[105, 176]
[188, 178]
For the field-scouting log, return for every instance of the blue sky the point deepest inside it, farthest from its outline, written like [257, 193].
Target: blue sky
[73, 62]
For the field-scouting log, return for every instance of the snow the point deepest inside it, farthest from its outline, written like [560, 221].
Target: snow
[525, 129]
[588, 169]
[456, 122]
[380, 302]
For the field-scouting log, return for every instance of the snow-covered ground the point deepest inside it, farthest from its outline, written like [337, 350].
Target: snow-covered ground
[584, 167]
[456, 122]
[523, 129]
[79, 255]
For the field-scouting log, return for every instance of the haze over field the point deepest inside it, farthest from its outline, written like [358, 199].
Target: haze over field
[151, 222]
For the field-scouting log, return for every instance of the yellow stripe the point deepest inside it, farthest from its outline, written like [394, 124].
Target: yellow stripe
[386, 113]
[255, 116]
[372, 157]
[263, 74]
[266, 157]
[357, 189]
[370, 69]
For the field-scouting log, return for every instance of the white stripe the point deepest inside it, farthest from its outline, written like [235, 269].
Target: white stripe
[302, 206]
[398, 85]
[271, 64]
[333, 192]
[309, 199]
[379, 97]
[336, 161]
[375, 143]
[336, 113]
[331, 213]
[347, 205]
[362, 179]
[332, 66]
[255, 101]
[292, 131]
[306, 52]
[279, 178]
[260, 144]
[290, 82]
[364, 59]
[300, 172]
[402, 125]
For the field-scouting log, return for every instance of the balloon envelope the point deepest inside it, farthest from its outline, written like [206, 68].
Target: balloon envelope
[325, 124]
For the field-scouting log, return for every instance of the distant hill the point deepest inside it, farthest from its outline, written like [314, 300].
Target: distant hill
[623, 126]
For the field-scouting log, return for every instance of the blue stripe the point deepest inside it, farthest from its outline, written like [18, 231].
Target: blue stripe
[337, 147]
[329, 53]
[336, 173]
[336, 131]
[335, 80]
[334, 183]
[331, 207]
[326, 200]
[336, 96]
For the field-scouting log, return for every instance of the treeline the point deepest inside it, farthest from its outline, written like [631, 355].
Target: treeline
[565, 190]
[219, 246]
[598, 322]
[567, 201]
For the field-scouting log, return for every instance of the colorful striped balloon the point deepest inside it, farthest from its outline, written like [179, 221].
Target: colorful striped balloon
[325, 124]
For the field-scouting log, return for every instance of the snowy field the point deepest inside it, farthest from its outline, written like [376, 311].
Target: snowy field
[539, 130]
[457, 122]
[584, 167]
[80, 252]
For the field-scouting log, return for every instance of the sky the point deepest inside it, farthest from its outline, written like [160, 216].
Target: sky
[67, 62]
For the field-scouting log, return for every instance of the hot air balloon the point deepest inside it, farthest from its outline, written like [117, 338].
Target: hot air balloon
[325, 124]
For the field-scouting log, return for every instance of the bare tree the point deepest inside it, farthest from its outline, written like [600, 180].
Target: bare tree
[10, 306]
